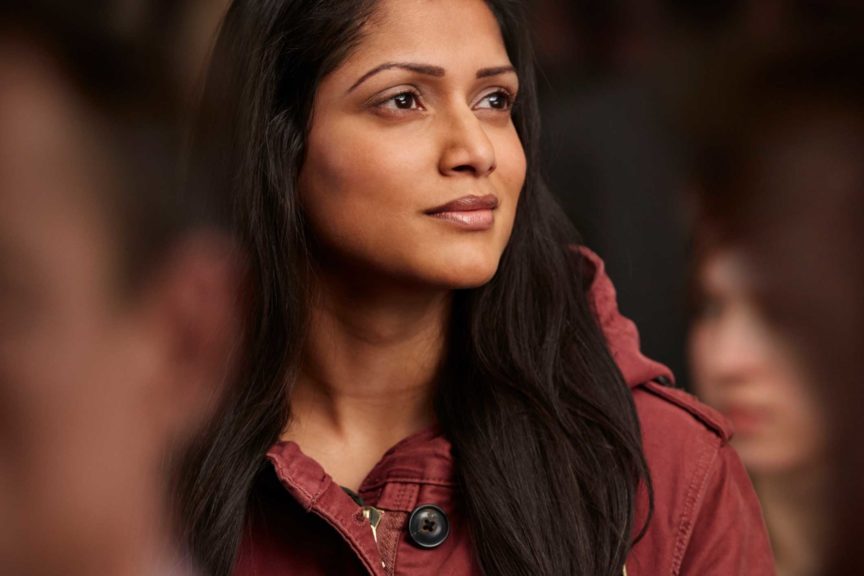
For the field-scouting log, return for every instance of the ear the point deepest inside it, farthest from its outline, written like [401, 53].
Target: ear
[198, 310]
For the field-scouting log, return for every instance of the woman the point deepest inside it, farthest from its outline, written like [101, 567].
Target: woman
[749, 370]
[379, 152]
[777, 344]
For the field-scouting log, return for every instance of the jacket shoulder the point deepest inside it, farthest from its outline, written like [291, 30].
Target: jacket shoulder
[668, 410]
[705, 518]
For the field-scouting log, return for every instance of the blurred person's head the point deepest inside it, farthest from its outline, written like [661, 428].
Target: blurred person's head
[779, 267]
[119, 313]
[746, 367]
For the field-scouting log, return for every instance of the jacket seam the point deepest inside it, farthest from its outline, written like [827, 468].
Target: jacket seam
[692, 504]
[373, 484]
[705, 419]
[343, 530]
[287, 478]
[403, 497]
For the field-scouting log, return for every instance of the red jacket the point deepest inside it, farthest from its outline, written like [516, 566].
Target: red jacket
[706, 517]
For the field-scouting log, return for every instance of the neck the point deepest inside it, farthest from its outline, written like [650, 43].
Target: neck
[792, 504]
[368, 374]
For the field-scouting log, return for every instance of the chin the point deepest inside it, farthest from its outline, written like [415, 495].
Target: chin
[463, 273]
[761, 458]
[472, 280]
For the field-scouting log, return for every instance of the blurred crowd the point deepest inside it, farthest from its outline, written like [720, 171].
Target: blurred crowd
[711, 152]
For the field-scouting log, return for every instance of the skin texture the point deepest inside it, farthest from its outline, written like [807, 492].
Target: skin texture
[374, 168]
[746, 370]
[96, 384]
[383, 150]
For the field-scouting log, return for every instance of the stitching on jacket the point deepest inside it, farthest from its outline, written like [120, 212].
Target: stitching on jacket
[695, 494]
[703, 414]
[401, 500]
[346, 532]
[286, 478]
[372, 484]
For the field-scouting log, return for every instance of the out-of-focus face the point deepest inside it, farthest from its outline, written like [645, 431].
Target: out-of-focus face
[79, 410]
[414, 167]
[745, 369]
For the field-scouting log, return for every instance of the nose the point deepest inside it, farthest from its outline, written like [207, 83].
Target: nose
[467, 149]
[728, 353]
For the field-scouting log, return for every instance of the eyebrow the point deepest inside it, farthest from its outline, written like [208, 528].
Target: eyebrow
[428, 70]
[497, 71]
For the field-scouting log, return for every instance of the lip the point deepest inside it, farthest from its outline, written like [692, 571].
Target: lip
[468, 212]
[467, 204]
[747, 420]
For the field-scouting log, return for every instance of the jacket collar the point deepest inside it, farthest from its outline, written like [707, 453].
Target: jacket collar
[620, 332]
[422, 458]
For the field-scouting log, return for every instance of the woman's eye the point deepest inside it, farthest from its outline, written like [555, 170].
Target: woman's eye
[499, 100]
[710, 308]
[402, 101]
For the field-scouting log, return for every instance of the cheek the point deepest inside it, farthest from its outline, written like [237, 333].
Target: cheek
[700, 352]
[352, 184]
[793, 433]
[364, 192]
[799, 422]
[350, 162]
[511, 164]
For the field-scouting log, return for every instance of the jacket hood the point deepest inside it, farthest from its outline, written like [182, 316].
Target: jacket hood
[620, 332]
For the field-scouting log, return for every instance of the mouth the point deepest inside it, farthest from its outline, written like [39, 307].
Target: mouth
[468, 212]
[747, 420]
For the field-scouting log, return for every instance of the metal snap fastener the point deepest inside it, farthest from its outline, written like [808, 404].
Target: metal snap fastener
[428, 526]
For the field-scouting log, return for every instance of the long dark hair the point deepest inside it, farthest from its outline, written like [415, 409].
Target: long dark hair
[543, 425]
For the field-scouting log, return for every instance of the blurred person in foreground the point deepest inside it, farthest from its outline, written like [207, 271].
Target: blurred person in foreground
[777, 343]
[119, 308]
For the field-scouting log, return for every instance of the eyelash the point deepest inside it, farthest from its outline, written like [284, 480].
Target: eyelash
[415, 96]
[509, 99]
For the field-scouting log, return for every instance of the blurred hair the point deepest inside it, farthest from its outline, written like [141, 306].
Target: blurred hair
[780, 177]
[534, 403]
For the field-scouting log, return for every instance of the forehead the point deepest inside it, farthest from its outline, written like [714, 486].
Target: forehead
[447, 33]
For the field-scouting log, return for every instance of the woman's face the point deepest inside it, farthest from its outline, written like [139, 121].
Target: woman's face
[413, 167]
[744, 368]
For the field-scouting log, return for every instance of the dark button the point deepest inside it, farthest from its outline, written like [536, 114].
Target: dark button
[428, 526]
